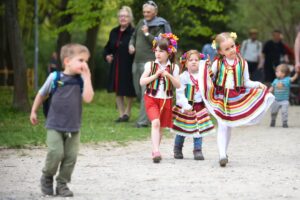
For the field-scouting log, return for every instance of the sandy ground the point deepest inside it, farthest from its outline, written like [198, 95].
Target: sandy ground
[264, 164]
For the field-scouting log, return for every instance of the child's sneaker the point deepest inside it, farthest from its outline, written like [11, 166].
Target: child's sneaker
[156, 157]
[198, 154]
[64, 191]
[223, 162]
[47, 185]
[272, 123]
[178, 152]
[285, 125]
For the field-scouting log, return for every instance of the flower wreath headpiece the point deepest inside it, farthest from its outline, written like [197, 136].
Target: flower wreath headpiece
[183, 58]
[233, 35]
[172, 48]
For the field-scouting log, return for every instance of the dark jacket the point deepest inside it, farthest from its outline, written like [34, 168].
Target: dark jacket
[120, 74]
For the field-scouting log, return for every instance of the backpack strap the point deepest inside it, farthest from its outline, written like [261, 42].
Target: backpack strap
[56, 82]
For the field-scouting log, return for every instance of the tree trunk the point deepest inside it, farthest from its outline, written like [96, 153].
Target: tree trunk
[2, 49]
[20, 97]
[91, 40]
[63, 37]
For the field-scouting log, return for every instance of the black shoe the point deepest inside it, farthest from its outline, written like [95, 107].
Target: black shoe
[64, 191]
[198, 154]
[223, 162]
[285, 125]
[272, 123]
[141, 125]
[178, 152]
[47, 185]
[125, 118]
[118, 120]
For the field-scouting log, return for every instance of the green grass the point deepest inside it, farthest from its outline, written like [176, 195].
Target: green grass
[98, 123]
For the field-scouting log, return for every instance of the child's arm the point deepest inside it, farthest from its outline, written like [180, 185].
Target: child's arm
[36, 104]
[251, 84]
[145, 78]
[88, 91]
[40, 97]
[271, 89]
[181, 99]
[293, 78]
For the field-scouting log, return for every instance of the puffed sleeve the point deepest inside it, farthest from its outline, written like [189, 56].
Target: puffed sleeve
[181, 99]
[247, 82]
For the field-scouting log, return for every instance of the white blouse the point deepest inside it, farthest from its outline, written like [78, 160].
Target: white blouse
[181, 99]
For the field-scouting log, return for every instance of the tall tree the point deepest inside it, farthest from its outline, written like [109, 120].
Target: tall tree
[64, 36]
[2, 42]
[20, 97]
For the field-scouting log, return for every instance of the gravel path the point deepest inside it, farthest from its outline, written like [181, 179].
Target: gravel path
[264, 164]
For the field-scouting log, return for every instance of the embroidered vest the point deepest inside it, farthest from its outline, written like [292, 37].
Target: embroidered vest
[153, 86]
[238, 73]
[190, 93]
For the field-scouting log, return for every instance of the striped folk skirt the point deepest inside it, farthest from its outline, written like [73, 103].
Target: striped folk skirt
[234, 107]
[196, 123]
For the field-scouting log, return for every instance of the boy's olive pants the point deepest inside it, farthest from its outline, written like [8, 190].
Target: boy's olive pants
[62, 151]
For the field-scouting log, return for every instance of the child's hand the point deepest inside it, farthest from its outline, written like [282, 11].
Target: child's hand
[86, 74]
[33, 118]
[262, 86]
[159, 72]
[165, 73]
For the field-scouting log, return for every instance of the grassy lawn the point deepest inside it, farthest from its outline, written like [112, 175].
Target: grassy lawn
[98, 123]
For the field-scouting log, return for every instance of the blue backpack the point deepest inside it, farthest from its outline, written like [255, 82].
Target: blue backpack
[58, 83]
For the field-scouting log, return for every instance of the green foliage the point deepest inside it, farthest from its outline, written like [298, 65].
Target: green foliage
[97, 124]
[266, 15]
[87, 14]
[192, 21]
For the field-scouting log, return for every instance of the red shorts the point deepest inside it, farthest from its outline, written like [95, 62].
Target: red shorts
[153, 106]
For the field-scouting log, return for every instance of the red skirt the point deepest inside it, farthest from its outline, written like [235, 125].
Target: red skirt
[153, 107]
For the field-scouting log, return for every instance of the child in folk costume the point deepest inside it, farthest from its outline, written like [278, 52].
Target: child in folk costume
[160, 76]
[191, 118]
[230, 96]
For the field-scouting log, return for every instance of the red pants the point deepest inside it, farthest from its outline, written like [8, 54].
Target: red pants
[153, 106]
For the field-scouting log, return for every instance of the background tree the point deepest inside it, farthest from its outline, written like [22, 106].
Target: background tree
[193, 21]
[266, 15]
[15, 50]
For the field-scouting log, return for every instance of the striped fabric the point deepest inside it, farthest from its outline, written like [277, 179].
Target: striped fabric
[196, 124]
[282, 88]
[190, 92]
[238, 71]
[152, 87]
[243, 106]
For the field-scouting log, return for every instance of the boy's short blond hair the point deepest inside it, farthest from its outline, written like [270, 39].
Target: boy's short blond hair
[284, 69]
[71, 50]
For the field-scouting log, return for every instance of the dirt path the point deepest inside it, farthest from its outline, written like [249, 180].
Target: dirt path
[264, 164]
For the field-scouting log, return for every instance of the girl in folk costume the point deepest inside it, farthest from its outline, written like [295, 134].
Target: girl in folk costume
[160, 76]
[230, 96]
[191, 118]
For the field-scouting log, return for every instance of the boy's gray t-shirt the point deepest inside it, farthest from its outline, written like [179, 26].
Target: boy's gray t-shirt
[66, 104]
